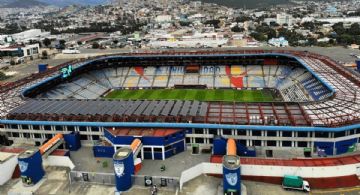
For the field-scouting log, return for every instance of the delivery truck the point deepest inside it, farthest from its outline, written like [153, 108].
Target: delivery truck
[292, 182]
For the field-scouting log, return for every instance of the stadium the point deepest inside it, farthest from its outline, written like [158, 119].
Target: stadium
[267, 101]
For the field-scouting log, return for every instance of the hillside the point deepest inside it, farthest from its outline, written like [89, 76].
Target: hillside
[24, 4]
[250, 4]
[62, 3]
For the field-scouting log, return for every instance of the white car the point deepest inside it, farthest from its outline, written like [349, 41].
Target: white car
[71, 50]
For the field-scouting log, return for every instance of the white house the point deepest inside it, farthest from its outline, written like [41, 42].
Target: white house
[278, 42]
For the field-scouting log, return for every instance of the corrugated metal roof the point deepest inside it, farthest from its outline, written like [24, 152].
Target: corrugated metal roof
[110, 107]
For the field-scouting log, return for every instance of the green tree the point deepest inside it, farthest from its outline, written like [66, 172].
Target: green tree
[309, 25]
[242, 19]
[47, 42]
[354, 29]
[62, 42]
[237, 29]
[214, 23]
[95, 45]
[44, 54]
[274, 24]
[345, 39]
[258, 36]
[312, 41]
[268, 32]
[339, 28]
[184, 23]
[3, 76]
[332, 42]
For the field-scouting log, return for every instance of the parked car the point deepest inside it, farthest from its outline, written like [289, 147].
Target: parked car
[71, 50]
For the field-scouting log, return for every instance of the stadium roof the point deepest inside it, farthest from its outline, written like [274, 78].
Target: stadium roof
[161, 110]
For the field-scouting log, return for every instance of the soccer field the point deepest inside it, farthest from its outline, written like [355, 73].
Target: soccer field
[227, 95]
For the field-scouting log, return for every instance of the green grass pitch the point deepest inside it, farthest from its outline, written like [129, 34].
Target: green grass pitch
[227, 95]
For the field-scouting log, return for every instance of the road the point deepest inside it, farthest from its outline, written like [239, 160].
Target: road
[345, 191]
[337, 53]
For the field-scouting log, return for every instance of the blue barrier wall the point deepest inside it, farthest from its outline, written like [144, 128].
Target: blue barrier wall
[219, 146]
[103, 151]
[72, 141]
[327, 146]
[174, 149]
[42, 67]
[343, 146]
[242, 150]
[124, 168]
[31, 167]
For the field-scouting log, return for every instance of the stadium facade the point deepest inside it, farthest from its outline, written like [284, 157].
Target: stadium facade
[317, 106]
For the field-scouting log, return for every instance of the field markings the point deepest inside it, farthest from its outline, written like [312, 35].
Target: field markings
[226, 95]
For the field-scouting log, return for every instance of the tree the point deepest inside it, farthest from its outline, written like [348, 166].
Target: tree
[312, 41]
[332, 41]
[62, 42]
[95, 45]
[184, 23]
[274, 24]
[115, 41]
[242, 19]
[215, 23]
[339, 28]
[345, 39]
[354, 29]
[258, 36]
[44, 54]
[309, 25]
[237, 29]
[47, 42]
[79, 43]
[3, 76]
[266, 31]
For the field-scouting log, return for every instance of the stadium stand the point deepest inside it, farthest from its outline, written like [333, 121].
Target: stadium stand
[295, 84]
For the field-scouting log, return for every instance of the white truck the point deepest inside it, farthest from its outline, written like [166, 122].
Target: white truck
[292, 182]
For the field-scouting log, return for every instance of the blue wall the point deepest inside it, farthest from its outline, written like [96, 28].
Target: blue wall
[103, 151]
[327, 146]
[31, 167]
[343, 146]
[242, 150]
[72, 141]
[146, 140]
[219, 146]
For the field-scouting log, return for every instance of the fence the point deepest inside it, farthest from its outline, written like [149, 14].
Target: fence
[92, 177]
[109, 179]
[160, 181]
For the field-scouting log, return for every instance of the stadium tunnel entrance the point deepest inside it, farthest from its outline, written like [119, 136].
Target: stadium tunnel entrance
[156, 144]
